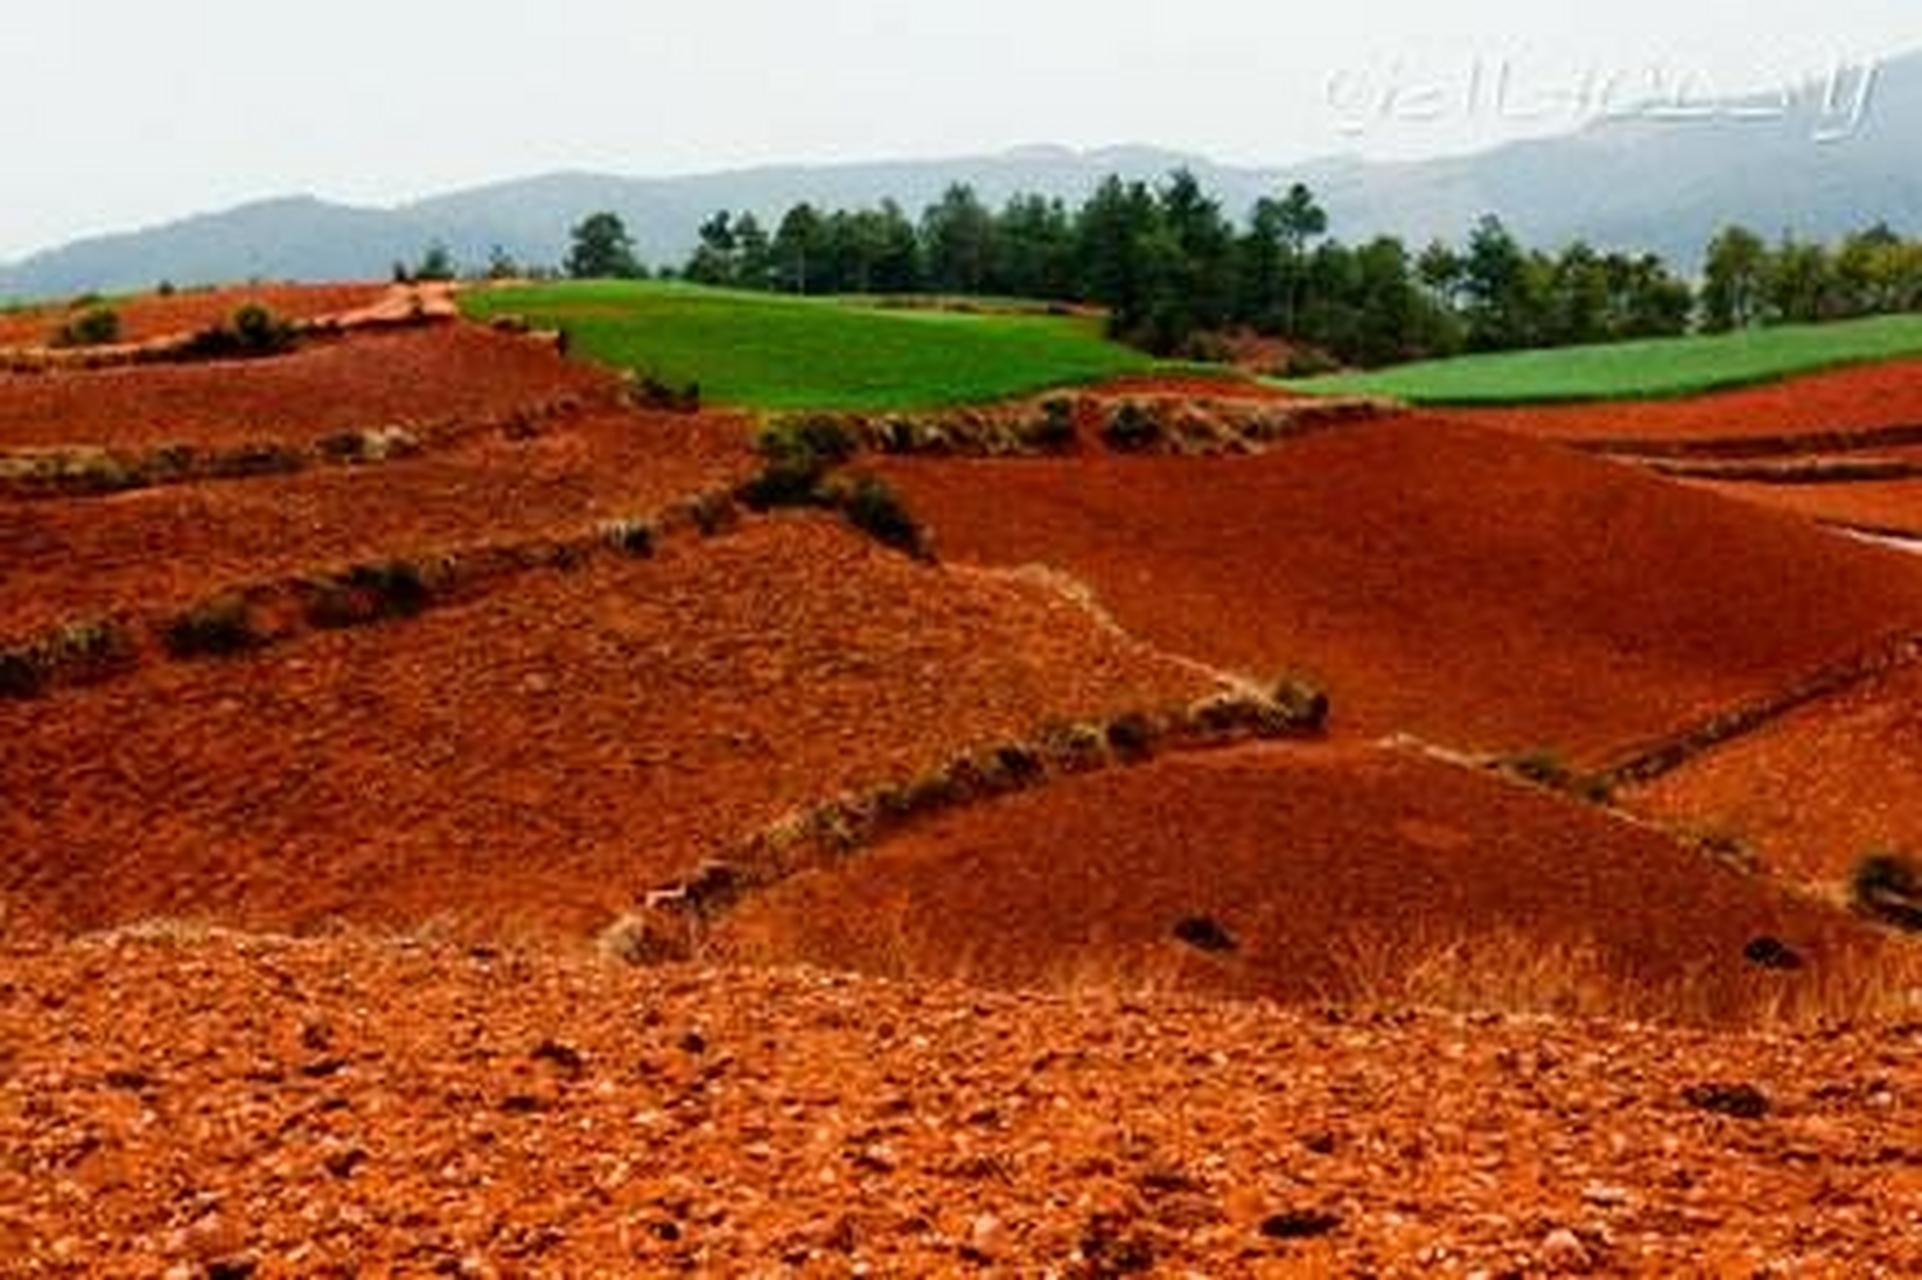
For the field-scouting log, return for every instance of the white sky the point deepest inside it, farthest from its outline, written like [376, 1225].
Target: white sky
[127, 112]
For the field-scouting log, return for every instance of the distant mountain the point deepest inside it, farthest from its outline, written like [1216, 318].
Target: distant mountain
[1637, 181]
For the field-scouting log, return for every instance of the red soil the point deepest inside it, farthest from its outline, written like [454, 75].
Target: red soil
[165, 548]
[535, 758]
[1816, 790]
[1459, 584]
[1331, 868]
[1871, 396]
[341, 1108]
[416, 377]
[1893, 506]
[153, 316]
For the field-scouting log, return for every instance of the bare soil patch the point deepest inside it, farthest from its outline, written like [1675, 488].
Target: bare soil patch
[1479, 591]
[1326, 874]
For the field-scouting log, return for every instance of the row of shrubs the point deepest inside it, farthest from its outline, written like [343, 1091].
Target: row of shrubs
[1292, 709]
[241, 621]
[87, 471]
[1054, 426]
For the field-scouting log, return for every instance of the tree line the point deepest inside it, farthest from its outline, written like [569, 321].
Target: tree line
[1175, 273]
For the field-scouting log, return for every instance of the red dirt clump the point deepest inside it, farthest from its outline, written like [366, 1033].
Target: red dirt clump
[153, 315]
[1481, 591]
[1815, 791]
[1842, 400]
[536, 758]
[343, 1107]
[1331, 869]
[169, 547]
[422, 376]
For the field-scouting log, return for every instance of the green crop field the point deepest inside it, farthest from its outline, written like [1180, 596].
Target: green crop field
[1636, 370]
[782, 353]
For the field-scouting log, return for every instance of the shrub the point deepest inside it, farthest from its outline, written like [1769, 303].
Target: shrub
[1075, 748]
[1304, 702]
[1132, 736]
[784, 483]
[818, 440]
[1888, 886]
[1053, 431]
[1132, 429]
[874, 508]
[369, 593]
[97, 326]
[252, 331]
[218, 627]
[259, 331]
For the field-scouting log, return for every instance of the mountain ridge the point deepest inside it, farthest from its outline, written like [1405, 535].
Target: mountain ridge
[1641, 180]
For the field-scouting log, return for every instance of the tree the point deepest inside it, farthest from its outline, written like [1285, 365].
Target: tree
[602, 250]
[1579, 298]
[1299, 219]
[501, 264]
[753, 254]
[1733, 280]
[957, 235]
[1798, 282]
[436, 264]
[1109, 233]
[799, 250]
[1498, 289]
[1034, 248]
[1200, 287]
[715, 259]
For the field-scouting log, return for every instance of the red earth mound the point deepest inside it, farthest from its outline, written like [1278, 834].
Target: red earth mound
[416, 377]
[165, 548]
[1481, 591]
[535, 758]
[1331, 871]
[1844, 400]
[1815, 791]
[153, 315]
[336, 1107]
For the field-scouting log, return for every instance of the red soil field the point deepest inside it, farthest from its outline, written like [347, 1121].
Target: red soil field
[1893, 506]
[1856, 399]
[1815, 791]
[535, 758]
[1480, 591]
[151, 316]
[415, 377]
[342, 1107]
[168, 547]
[1330, 867]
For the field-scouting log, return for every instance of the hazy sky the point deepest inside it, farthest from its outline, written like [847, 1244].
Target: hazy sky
[126, 112]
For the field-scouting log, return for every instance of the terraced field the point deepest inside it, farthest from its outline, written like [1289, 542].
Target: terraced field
[364, 707]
